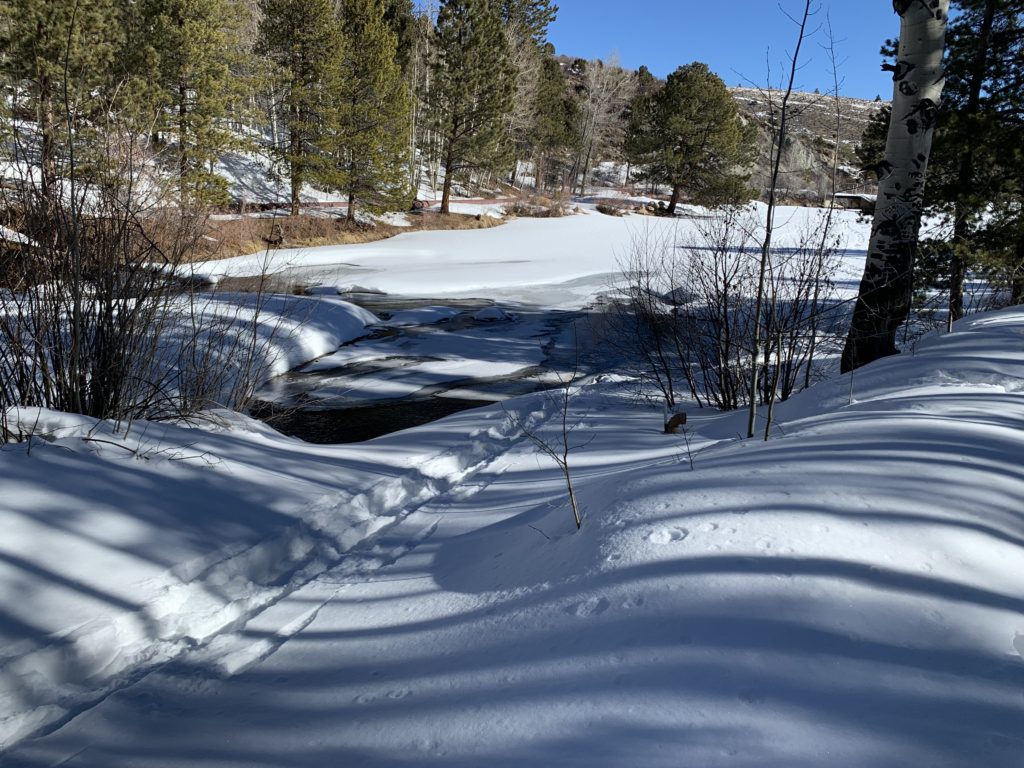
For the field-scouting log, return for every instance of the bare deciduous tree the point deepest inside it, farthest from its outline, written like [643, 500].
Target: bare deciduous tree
[689, 310]
[607, 89]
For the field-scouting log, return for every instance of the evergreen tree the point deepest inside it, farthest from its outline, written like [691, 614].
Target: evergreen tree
[689, 135]
[974, 169]
[984, 67]
[373, 111]
[871, 150]
[533, 16]
[303, 41]
[640, 119]
[526, 23]
[554, 120]
[59, 55]
[472, 89]
[400, 16]
[196, 44]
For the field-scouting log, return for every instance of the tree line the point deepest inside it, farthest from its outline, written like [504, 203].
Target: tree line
[367, 98]
[352, 96]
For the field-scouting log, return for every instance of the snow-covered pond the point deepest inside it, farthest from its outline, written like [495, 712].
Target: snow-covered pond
[507, 309]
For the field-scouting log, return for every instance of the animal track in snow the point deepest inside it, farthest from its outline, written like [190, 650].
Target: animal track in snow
[396, 695]
[592, 607]
[668, 535]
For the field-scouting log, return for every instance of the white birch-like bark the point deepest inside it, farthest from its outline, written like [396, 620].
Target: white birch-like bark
[885, 290]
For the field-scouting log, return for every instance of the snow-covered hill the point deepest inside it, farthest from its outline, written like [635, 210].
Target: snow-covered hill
[847, 594]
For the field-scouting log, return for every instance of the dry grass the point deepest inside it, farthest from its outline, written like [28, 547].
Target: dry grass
[614, 207]
[244, 235]
[434, 221]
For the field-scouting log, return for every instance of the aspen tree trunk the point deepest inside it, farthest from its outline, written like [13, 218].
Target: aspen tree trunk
[296, 174]
[883, 303]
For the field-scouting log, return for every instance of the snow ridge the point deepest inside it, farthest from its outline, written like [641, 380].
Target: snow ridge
[206, 598]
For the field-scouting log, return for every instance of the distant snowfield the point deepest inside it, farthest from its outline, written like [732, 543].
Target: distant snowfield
[848, 594]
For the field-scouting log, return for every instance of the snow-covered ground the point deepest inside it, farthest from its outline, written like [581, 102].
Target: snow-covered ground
[847, 594]
[560, 263]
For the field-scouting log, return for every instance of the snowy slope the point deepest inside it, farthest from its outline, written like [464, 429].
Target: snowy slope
[848, 594]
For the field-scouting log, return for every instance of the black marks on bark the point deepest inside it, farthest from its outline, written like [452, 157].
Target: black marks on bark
[922, 117]
[932, 6]
[882, 170]
[899, 70]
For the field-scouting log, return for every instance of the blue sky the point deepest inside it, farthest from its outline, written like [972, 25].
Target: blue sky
[738, 39]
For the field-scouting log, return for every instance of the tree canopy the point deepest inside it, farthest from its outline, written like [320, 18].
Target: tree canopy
[688, 134]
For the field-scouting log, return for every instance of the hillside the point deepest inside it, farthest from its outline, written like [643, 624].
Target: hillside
[807, 159]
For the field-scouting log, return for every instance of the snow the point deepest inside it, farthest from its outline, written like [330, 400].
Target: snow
[214, 595]
[494, 345]
[493, 315]
[559, 263]
[8, 235]
[293, 329]
[421, 316]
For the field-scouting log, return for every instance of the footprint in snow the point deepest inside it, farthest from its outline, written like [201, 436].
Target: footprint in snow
[751, 697]
[396, 695]
[668, 535]
[1018, 645]
[592, 607]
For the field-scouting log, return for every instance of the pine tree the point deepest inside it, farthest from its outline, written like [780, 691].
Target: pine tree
[60, 56]
[689, 135]
[472, 90]
[640, 120]
[533, 16]
[554, 120]
[302, 40]
[400, 16]
[373, 111]
[984, 68]
[196, 45]
[525, 23]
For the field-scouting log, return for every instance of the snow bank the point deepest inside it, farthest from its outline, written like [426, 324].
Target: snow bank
[164, 538]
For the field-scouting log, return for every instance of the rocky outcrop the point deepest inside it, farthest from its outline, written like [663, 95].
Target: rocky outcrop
[806, 170]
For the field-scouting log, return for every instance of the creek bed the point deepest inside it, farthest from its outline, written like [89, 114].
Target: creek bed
[325, 405]
[355, 424]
